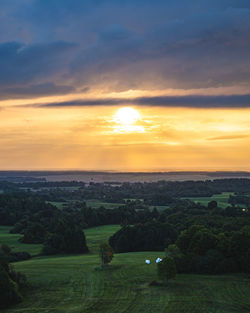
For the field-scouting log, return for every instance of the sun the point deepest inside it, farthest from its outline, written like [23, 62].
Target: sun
[127, 116]
[126, 121]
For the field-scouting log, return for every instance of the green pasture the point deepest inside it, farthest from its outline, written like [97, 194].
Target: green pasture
[12, 241]
[99, 234]
[76, 284]
[94, 237]
[67, 284]
[95, 204]
[59, 204]
[222, 199]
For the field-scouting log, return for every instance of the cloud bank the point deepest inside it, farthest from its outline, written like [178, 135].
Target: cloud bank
[192, 101]
[64, 46]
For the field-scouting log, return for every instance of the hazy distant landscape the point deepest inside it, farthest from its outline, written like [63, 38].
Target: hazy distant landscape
[95, 176]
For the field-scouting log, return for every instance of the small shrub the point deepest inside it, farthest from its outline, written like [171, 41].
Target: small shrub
[166, 269]
[106, 254]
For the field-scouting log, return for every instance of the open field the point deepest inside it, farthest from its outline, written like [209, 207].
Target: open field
[75, 284]
[95, 204]
[222, 199]
[58, 204]
[99, 234]
[71, 284]
[94, 236]
[15, 244]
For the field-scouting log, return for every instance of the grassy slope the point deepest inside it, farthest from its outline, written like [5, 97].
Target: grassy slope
[12, 241]
[96, 235]
[67, 284]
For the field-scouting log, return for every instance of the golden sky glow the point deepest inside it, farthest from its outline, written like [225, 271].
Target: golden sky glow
[148, 138]
[125, 85]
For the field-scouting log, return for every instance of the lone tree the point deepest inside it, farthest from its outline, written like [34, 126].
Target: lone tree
[106, 254]
[166, 269]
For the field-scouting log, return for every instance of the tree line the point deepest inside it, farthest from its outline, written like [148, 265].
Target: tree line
[196, 249]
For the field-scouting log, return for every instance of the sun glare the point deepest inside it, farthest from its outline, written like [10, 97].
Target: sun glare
[126, 119]
[127, 116]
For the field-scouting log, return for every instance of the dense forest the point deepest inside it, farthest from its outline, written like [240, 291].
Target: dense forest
[155, 193]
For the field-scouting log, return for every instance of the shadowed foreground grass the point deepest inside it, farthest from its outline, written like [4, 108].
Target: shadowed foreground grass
[67, 284]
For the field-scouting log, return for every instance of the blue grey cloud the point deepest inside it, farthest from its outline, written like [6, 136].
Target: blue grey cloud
[26, 63]
[191, 101]
[30, 91]
[120, 45]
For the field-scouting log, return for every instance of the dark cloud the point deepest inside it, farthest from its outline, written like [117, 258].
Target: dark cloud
[35, 90]
[21, 63]
[206, 50]
[121, 45]
[198, 101]
[234, 101]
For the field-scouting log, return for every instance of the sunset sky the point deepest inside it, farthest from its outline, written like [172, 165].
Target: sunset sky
[181, 68]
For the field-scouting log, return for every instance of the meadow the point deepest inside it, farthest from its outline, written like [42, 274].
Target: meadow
[93, 203]
[96, 204]
[17, 246]
[76, 284]
[59, 204]
[221, 199]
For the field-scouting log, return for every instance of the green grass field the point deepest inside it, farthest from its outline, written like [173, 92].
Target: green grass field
[95, 204]
[15, 244]
[222, 199]
[58, 204]
[74, 284]
[96, 235]
[93, 235]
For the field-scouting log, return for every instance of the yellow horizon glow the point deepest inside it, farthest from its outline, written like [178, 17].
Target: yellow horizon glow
[78, 138]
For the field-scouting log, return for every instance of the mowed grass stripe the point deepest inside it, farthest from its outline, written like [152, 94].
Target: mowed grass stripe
[75, 284]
